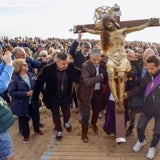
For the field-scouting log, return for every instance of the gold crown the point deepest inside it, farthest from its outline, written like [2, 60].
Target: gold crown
[101, 12]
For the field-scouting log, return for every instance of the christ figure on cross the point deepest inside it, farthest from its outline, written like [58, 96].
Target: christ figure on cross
[112, 40]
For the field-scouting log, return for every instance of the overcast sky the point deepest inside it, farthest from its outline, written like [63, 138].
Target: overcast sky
[54, 18]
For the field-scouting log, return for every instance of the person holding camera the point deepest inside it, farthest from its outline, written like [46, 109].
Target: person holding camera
[6, 70]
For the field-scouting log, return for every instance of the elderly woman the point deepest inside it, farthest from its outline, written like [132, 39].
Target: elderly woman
[20, 90]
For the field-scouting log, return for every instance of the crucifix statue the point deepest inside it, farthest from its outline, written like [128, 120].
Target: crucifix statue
[112, 41]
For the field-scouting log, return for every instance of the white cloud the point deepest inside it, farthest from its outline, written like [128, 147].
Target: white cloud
[25, 3]
[55, 17]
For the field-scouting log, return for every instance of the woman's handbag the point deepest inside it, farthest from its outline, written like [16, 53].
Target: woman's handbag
[6, 116]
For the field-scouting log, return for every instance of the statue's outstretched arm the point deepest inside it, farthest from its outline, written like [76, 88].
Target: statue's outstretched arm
[92, 31]
[140, 27]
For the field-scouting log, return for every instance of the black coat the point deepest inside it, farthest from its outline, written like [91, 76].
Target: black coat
[78, 58]
[151, 105]
[48, 82]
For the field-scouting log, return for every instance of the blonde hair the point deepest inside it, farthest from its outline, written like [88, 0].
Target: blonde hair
[28, 51]
[17, 64]
[43, 53]
[8, 47]
[53, 53]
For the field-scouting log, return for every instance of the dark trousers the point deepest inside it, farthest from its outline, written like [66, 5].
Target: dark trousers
[142, 124]
[96, 105]
[96, 108]
[24, 121]
[62, 104]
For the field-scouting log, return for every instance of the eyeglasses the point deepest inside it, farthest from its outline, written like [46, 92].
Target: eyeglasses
[43, 56]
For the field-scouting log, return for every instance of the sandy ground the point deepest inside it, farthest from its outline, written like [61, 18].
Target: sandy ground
[37, 144]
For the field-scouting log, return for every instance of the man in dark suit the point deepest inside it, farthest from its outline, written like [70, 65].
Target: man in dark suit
[57, 79]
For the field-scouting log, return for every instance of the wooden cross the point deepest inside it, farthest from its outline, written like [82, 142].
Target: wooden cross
[120, 118]
[129, 23]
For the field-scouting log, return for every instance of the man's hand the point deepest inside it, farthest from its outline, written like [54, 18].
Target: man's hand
[152, 21]
[79, 35]
[7, 58]
[125, 95]
[83, 28]
[30, 93]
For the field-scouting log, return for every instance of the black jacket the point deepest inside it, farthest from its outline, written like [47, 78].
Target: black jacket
[151, 105]
[48, 82]
[78, 58]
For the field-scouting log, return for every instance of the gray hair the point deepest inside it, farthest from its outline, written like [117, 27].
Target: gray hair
[95, 52]
[148, 52]
[86, 45]
[16, 50]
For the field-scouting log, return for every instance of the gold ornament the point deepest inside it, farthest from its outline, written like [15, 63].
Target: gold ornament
[101, 12]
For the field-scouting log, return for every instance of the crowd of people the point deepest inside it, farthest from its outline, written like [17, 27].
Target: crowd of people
[64, 72]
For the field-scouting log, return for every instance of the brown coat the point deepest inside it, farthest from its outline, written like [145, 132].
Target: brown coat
[88, 80]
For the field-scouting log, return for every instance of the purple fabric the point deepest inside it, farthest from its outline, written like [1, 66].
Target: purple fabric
[109, 125]
[152, 85]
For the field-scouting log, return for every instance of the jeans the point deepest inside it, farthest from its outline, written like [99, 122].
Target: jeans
[5, 145]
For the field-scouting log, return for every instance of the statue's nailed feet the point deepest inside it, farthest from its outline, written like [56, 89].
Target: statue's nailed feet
[119, 106]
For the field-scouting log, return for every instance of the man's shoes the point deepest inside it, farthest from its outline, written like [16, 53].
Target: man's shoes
[129, 131]
[25, 140]
[59, 136]
[41, 125]
[137, 147]
[39, 133]
[68, 127]
[84, 138]
[151, 152]
[100, 115]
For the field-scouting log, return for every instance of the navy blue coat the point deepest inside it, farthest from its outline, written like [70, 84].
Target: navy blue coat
[18, 89]
[33, 63]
